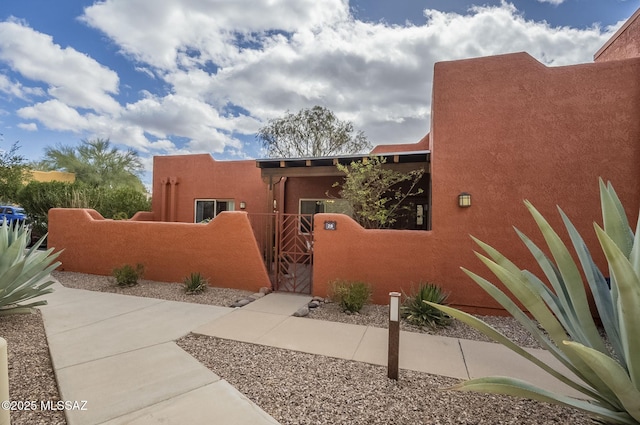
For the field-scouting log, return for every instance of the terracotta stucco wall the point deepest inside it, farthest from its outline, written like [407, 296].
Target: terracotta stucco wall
[224, 250]
[179, 180]
[389, 260]
[624, 44]
[504, 129]
[507, 128]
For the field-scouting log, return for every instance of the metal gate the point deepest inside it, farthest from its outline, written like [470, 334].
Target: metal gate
[287, 244]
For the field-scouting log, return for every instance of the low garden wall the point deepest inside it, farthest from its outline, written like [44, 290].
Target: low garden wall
[224, 250]
[390, 260]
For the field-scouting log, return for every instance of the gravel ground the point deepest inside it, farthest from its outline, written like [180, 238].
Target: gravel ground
[377, 315]
[31, 375]
[299, 388]
[150, 289]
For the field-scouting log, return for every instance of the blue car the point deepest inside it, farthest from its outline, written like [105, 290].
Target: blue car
[12, 215]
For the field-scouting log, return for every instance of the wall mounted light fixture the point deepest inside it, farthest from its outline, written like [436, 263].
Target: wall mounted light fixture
[464, 200]
[243, 205]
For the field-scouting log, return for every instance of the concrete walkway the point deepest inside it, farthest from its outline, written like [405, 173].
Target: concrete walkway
[117, 352]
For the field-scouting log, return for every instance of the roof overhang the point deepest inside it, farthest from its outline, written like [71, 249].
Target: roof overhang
[326, 166]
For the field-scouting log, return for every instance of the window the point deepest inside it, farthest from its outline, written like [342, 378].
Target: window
[310, 207]
[206, 209]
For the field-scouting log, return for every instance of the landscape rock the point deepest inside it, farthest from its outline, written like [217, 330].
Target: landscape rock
[314, 304]
[242, 302]
[302, 312]
[265, 290]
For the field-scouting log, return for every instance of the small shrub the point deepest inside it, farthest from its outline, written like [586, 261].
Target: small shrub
[417, 312]
[351, 296]
[195, 283]
[128, 275]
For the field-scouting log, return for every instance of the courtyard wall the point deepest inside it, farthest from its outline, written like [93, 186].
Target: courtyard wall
[224, 250]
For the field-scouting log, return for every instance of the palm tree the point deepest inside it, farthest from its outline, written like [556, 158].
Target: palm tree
[96, 163]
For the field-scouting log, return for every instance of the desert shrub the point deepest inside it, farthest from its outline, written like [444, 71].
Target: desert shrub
[417, 312]
[351, 295]
[127, 275]
[195, 283]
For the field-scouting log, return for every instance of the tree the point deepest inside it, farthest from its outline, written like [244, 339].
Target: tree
[14, 171]
[376, 193]
[97, 164]
[311, 132]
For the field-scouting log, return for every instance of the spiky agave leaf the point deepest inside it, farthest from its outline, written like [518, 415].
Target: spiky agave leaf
[23, 272]
[563, 311]
[516, 387]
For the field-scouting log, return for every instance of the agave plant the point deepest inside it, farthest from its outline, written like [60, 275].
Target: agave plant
[195, 283]
[23, 272]
[417, 312]
[609, 380]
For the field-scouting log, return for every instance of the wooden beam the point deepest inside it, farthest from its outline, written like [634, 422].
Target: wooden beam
[301, 172]
[333, 171]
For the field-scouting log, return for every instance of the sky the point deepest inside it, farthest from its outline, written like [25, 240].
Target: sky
[171, 77]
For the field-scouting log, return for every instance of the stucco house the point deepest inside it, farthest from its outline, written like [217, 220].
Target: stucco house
[503, 129]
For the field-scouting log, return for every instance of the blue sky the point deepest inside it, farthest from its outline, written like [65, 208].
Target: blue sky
[189, 76]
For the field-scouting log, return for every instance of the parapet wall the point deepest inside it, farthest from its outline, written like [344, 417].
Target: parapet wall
[224, 250]
[624, 44]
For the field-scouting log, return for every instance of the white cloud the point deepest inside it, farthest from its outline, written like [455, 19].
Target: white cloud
[185, 117]
[73, 77]
[16, 89]
[229, 65]
[553, 2]
[28, 126]
[161, 39]
[55, 115]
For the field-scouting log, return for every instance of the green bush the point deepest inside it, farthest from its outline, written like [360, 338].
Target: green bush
[23, 274]
[351, 296]
[122, 203]
[195, 283]
[121, 216]
[608, 378]
[128, 275]
[417, 312]
[37, 198]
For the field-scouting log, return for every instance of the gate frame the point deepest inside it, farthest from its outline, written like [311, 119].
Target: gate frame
[287, 251]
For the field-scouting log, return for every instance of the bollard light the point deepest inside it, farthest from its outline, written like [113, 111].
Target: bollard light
[393, 356]
[394, 306]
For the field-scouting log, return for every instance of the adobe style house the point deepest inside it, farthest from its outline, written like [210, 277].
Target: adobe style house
[503, 129]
